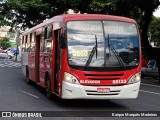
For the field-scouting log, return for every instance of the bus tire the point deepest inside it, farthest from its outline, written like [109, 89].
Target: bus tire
[48, 87]
[27, 77]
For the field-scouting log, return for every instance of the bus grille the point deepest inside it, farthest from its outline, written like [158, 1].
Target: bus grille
[103, 76]
[111, 93]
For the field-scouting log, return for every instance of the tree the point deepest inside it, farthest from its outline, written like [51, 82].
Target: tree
[28, 13]
[25, 12]
[3, 20]
[4, 42]
[81, 6]
[154, 29]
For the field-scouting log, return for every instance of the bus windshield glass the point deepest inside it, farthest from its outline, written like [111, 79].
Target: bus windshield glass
[122, 37]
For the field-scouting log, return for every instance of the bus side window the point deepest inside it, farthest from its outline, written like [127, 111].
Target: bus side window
[49, 32]
[29, 42]
[33, 42]
[48, 39]
[48, 45]
[25, 48]
[22, 40]
[42, 40]
[23, 44]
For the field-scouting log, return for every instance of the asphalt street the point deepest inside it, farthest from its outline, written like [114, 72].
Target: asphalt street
[16, 95]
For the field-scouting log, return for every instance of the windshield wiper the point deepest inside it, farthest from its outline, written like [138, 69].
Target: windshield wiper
[94, 49]
[111, 47]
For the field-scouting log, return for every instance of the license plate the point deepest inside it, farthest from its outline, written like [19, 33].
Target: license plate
[103, 90]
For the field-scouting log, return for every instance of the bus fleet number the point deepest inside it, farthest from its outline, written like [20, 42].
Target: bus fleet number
[123, 81]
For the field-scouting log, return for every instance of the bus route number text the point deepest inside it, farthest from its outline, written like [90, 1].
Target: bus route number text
[80, 53]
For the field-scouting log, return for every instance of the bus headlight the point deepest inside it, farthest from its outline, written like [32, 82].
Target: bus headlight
[70, 78]
[135, 78]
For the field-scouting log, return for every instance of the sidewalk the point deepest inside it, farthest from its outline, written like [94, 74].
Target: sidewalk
[150, 81]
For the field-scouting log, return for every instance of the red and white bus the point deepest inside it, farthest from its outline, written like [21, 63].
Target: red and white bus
[84, 56]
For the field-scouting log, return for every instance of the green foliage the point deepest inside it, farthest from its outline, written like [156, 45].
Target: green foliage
[154, 29]
[29, 13]
[4, 42]
[25, 12]
[3, 20]
[101, 6]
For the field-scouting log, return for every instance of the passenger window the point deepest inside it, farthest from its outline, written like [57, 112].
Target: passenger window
[48, 40]
[49, 31]
[33, 42]
[48, 45]
[42, 40]
[25, 44]
[45, 33]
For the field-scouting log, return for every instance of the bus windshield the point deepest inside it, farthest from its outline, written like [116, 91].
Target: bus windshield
[122, 36]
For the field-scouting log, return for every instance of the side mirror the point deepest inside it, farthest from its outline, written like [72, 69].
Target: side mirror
[62, 41]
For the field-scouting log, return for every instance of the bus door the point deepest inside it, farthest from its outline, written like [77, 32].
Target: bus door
[57, 62]
[45, 54]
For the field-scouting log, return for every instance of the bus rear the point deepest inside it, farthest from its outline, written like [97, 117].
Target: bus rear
[102, 58]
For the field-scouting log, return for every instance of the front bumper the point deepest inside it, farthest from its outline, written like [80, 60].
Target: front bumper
[74, 91]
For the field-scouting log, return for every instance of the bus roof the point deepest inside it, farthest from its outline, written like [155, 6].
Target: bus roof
[67, 17]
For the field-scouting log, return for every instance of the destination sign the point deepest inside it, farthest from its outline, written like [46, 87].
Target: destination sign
[85, 25]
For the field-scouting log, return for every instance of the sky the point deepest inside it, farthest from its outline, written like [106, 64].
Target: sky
[157, 12]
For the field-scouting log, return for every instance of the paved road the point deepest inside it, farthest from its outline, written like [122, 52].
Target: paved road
[10, 64]
[16, 95]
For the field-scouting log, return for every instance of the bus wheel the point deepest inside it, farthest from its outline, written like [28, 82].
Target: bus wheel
[48, 87]
[27, 77]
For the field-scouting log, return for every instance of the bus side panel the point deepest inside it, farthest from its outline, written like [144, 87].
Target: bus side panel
[42, 70]
[31, 65]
